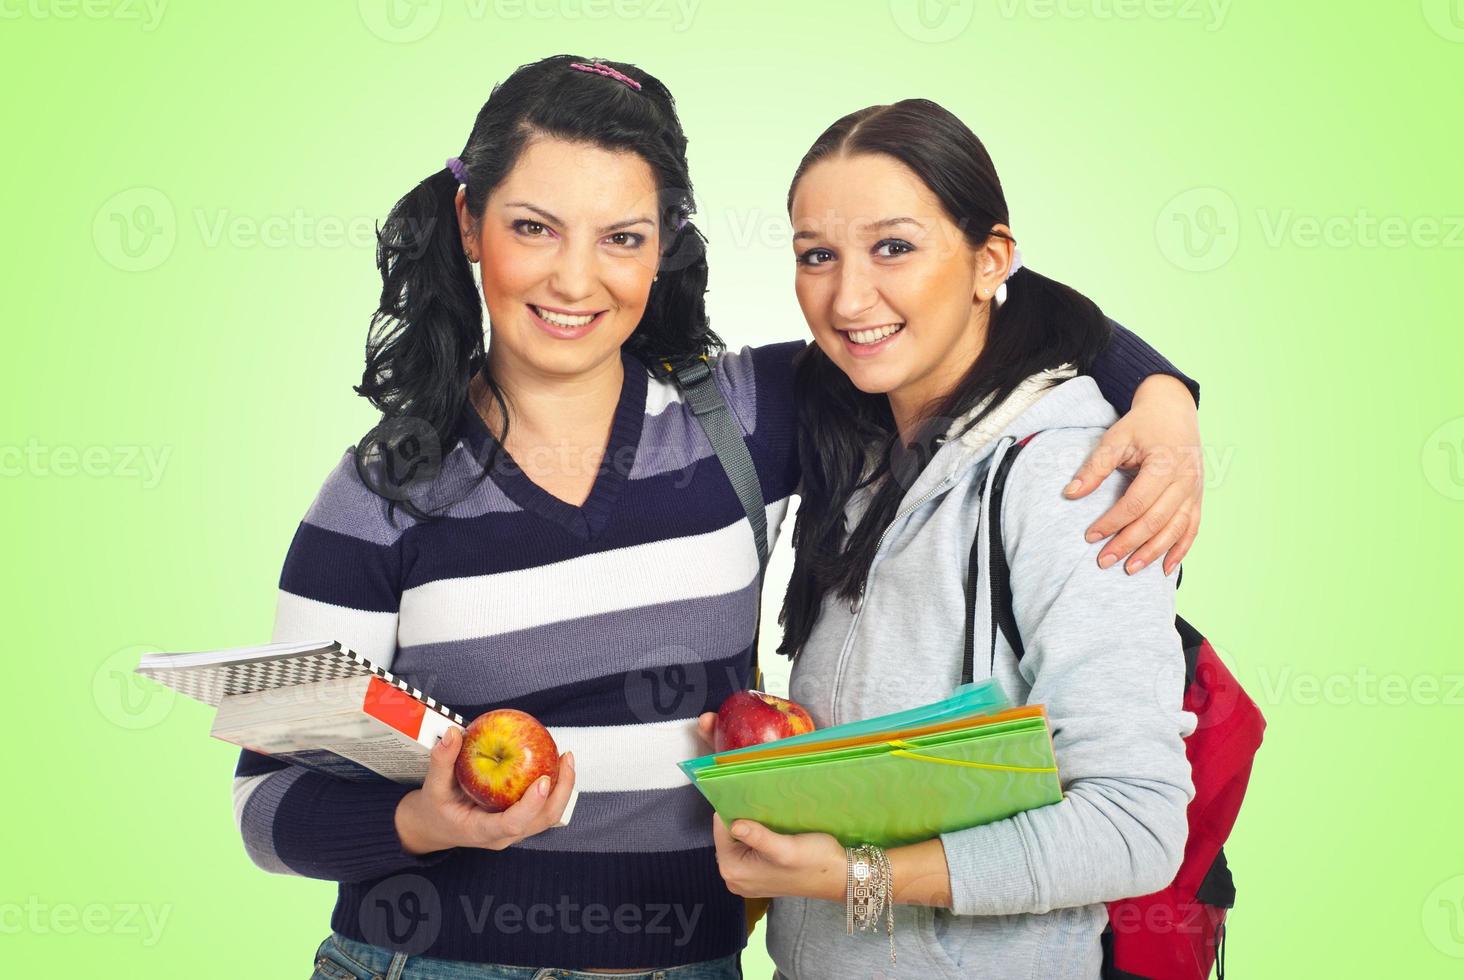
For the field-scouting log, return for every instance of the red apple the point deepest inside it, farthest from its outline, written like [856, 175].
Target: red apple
[503, 752]
[752, 717]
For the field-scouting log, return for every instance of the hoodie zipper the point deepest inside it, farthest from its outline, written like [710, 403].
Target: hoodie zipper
[858, 605]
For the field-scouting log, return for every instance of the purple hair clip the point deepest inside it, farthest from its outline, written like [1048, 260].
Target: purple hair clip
[455, 164]
[600, 69]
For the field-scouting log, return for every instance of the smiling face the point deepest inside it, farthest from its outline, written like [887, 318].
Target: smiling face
[892, 290]
[569, 246]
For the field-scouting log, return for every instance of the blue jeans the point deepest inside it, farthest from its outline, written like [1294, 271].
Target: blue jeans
[343, 958]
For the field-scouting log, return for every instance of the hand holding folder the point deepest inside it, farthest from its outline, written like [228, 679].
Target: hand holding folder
[897, 779]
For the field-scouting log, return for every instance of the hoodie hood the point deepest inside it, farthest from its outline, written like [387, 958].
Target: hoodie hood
[1053, 399]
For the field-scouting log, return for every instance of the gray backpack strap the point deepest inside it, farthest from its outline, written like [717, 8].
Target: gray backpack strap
[697, 382]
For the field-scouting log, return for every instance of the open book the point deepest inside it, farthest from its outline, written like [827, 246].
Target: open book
[316, 705]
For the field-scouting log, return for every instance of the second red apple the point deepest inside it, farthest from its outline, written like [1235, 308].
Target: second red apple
[752, 718]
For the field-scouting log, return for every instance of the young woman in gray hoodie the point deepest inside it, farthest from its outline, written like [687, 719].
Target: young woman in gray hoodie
[935, 352]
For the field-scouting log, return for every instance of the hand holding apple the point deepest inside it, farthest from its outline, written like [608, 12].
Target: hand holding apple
[441, 814]
[753, 717]
[504, 751]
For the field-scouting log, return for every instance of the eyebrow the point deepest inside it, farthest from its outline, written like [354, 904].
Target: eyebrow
[555, 219]
[882, 223]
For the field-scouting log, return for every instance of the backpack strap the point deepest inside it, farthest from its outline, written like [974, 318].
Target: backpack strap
[1002, 616]
[694, 378]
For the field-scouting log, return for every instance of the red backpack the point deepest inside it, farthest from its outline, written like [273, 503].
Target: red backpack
[1178, 932]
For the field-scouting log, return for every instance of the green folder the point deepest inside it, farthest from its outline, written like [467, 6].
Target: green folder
[896, 791]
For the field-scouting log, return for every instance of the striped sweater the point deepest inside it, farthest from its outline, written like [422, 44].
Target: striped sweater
[615, 623]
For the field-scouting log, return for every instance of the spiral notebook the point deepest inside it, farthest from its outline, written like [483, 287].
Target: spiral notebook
[315, 704]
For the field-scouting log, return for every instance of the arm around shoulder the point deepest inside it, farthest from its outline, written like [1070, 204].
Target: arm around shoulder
[1102, 654]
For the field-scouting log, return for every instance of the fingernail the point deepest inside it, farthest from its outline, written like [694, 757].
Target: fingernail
[1073, 487]
[1093, 536]
[543, 785]
[569, 760]
[1107, 561]
[1135, 566]
[739, 830]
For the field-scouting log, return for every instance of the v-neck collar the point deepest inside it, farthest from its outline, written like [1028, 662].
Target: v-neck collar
[589, 518]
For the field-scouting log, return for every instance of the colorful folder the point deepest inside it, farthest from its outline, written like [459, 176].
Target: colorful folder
[896, 779]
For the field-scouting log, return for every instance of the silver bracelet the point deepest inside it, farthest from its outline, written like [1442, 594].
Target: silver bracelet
[869, 891]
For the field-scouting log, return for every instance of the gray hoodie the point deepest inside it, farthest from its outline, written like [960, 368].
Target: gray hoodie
[1102, 655]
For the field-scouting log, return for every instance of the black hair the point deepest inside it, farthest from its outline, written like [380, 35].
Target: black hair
[426, 342]
[847, 438]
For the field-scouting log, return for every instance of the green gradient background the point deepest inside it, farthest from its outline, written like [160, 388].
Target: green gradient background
[1331, 373]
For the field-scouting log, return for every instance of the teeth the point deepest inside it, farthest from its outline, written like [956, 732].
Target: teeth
[877, 334]
[564, 319]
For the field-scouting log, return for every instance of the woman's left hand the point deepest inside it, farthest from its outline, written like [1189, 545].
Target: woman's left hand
[1160, 511]
[758, 863]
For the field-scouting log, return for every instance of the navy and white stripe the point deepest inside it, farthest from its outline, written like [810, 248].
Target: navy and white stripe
[615, 623]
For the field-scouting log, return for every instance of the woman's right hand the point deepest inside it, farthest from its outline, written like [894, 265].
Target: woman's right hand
[440, 815]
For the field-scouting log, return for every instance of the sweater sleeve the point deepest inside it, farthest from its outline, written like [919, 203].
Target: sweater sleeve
[1102, 654]
[1126, 362]
[340, 582]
